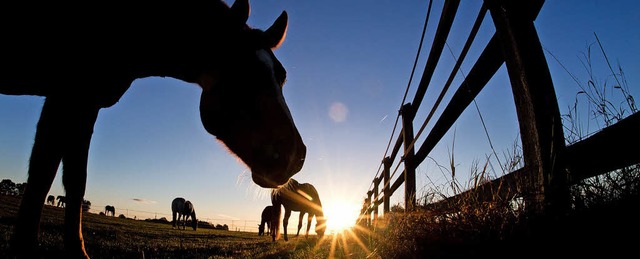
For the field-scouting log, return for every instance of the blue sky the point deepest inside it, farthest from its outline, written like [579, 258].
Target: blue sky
[348, 65]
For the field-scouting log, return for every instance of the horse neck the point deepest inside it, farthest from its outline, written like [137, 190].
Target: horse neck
[312, 192]
[316, 200]
[139, 43]
[262, 222]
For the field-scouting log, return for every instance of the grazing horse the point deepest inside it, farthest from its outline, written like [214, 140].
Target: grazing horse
[109, 209]
[61, 201]
[82, 61]
[181, 210]
[268, 217]
[295, 196]
[51, 200]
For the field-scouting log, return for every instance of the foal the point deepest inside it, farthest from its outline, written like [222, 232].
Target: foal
[268, 218]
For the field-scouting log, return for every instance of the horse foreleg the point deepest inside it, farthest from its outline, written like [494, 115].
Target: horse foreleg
[174, 219]
[186, 221]
[300, 222]
[45, 158]
[181, 220]
[309, 218]
[275, 223]
[285, 222]
[268, 227]
[79, 123]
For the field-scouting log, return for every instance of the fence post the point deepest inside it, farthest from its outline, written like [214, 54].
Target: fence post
[408, 113]
[539, 118]
[387, 184]
[363, 213]
[376, 182]
[368, 211]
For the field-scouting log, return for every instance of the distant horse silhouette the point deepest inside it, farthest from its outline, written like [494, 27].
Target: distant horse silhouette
[61, 201]
[295, 196]
[109, 210]
[183, 209]
[268, 218]
[51, 200]
[241, 104]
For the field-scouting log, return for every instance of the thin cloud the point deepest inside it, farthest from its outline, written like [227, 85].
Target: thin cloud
[144, 201]
[228, 217]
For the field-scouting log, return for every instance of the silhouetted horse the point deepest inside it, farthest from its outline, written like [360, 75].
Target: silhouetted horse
[109, 209]
[61, 201]
[295, 196]
[51, 200]
[83, 60]
[183, 209]
[268, 218]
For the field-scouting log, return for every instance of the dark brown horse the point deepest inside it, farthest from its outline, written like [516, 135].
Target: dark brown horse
[302, 197]
[83, 59]
[109, 210]
[267, 218]
[51, 200]
[182, 210]
[62, 201]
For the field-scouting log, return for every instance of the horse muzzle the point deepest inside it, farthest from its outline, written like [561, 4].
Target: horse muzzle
[279, 175]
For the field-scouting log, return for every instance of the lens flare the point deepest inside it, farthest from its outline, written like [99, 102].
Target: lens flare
[340, 215]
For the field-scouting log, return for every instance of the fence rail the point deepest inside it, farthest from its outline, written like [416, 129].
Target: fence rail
[550, 167]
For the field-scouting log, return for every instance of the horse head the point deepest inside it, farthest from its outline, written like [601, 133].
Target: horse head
[260, 229]
[194, 222]
[321, 225]
[190, 212]
[242, 103]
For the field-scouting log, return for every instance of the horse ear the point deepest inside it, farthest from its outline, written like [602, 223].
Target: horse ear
[240, 11]
[278, 31]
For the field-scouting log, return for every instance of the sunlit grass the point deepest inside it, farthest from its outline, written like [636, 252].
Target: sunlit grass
[112, 237]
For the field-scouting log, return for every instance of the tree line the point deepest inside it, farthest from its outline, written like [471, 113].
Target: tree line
[8, 187]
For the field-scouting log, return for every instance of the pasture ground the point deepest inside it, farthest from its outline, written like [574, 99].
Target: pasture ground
[113, 237]
[608, 229]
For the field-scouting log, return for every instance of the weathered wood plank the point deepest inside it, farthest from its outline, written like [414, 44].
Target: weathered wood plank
[612, 148]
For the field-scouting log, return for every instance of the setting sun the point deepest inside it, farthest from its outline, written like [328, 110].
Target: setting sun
[340, 215]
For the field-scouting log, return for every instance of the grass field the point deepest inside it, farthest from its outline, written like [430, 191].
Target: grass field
[112, 237]
[604, 225]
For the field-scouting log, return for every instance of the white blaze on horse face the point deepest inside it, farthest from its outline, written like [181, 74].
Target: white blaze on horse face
[267, 60]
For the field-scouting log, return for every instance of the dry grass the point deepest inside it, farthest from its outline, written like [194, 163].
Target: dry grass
[605, 228]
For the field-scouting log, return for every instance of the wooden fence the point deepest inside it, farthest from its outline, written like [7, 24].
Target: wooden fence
[550, 166]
